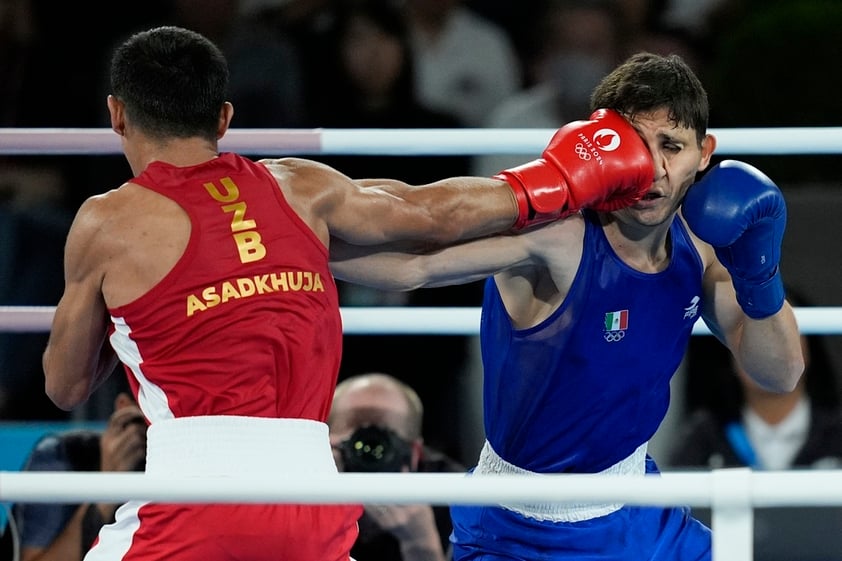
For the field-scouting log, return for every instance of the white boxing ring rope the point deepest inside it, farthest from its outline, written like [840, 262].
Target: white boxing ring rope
[418, 142]
[396, 320]
[702, 489]
[732, 494]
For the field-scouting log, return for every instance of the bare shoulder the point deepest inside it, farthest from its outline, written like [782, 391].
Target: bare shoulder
[90, 240]
[301, 177]
[312, 189]
[95, 214]
[301, 170]
[112, 209]
[289, 164]
[129, 238]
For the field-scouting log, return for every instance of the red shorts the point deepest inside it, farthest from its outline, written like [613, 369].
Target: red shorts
[232, 447]
[147, 532]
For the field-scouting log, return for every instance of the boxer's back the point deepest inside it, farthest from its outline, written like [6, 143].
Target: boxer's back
[246, 320]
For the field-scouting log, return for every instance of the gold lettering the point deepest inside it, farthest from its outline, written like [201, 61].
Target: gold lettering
[237, 222]
[210, 296]
[262, 284]
[246, 287]
[245, 234]
[232, 192]
[249, 246]
[279, 281]
[229, 292]
[294, 280]
[194, 305]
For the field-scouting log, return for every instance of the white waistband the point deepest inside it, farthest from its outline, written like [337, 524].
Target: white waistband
[490, 463]
[234, 445]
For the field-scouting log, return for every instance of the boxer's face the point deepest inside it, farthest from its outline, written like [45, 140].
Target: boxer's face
[677, 157]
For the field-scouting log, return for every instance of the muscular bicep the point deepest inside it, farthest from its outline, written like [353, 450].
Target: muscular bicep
[376, 211]
[449, 210]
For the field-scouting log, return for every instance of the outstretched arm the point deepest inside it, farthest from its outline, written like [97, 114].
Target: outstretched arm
[601, 163]
[380, 211]
[533, 269]
[404, 267]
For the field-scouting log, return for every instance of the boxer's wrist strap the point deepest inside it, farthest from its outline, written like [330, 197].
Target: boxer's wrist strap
[760, 300]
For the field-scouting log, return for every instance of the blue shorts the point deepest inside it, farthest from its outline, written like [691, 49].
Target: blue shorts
[631, 533]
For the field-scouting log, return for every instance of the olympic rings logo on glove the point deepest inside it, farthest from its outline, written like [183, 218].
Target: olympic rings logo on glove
[582, 152]
[614, 336]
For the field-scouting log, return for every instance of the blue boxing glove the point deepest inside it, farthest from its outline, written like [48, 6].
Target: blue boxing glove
[742, 214]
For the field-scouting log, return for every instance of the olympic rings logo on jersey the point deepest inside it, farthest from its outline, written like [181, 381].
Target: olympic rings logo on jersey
[582, 152]
[614, 336]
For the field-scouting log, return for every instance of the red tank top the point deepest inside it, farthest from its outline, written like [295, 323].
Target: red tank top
[247, 322]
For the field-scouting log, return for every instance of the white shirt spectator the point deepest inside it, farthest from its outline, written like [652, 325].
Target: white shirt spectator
[777, 445]
[467, 67]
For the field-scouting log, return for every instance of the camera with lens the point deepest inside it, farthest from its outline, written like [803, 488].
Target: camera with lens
[374, 448]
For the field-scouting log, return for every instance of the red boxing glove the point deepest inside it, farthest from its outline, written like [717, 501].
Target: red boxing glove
[601, 164]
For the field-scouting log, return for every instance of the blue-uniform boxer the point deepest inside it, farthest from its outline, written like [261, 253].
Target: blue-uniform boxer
[587, 318]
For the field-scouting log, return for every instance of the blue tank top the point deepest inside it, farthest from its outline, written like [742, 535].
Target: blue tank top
[587, 386]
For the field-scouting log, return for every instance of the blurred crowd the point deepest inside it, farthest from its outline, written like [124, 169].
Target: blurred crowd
[380, 64]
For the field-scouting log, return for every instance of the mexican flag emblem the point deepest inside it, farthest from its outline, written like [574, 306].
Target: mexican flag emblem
[617, 321]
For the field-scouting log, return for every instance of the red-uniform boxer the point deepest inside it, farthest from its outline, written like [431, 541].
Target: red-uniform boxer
[208, 274]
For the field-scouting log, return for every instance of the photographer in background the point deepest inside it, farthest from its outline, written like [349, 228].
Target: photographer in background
[66, 531]
[375, 426]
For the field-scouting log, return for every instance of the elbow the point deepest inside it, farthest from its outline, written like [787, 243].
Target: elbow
[417, 273]
[407, 280]
[786, 378]
[63, 396]
[794, 371]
